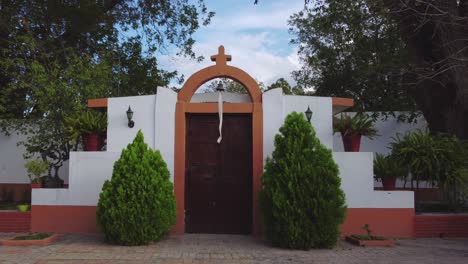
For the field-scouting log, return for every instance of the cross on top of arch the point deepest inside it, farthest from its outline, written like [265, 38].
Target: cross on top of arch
[221, 58]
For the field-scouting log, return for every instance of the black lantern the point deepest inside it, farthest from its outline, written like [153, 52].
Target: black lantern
[129, 117]
[308, 114]
[220, 87]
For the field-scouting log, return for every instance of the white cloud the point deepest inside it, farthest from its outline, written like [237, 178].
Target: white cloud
[255, 37]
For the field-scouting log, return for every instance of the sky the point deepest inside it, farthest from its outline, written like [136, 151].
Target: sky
[256, 36]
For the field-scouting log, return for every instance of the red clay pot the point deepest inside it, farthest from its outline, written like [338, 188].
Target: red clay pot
[389, 184]
[92, 142]
[351, 143]
[36, 185]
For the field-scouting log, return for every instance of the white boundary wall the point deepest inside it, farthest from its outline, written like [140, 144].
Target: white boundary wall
[12, 163]
[155, 116]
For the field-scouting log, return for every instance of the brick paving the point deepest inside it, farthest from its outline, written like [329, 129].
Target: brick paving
[229, 249]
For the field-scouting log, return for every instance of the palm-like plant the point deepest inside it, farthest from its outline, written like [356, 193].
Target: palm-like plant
[388, 167]
[88, 122]
[359, 124]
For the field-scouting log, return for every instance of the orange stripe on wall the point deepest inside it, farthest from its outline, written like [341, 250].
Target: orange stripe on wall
[388, 222]
[63, 219]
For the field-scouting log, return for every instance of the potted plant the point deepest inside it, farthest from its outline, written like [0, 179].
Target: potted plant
[35, 168]
[387, 169]
[352, 128]
[23, 207]
[90, 126]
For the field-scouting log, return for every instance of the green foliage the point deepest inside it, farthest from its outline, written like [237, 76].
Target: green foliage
[359, 124]
[86, 122]
[350, 48]
[35, 168]
[137, 205]
[55, 55]
[287, 89]
[301, 202]
[37, 236]
[439, 159]
[388, 167]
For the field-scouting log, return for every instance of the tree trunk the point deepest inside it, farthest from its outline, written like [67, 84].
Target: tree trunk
[436, 34]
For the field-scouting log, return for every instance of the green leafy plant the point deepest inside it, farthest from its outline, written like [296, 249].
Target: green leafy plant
[359, 124]
[35, 168]
[302, 204]
[38, 236]
[388, 167]
[137, 205]
[438, 159]
[87, 122]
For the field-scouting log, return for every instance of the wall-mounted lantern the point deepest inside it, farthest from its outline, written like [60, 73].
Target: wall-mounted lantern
[308, 114]
[129, 117]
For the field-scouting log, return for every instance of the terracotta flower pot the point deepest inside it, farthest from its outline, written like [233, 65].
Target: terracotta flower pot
[389, 184]
[36, 185]
[351, 143]
[92, 142]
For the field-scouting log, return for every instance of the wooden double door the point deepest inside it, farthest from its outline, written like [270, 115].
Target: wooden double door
[218, 183]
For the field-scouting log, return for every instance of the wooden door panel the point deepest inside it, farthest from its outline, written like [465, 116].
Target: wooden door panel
[219, 176]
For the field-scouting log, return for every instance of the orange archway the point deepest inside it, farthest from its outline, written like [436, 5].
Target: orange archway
[219, 70]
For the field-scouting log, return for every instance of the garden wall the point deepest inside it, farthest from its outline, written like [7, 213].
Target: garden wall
[388, 213]
[14, 181]
[15, 222]
[441, 225]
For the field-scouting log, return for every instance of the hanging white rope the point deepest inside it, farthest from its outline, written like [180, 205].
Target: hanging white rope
[220, 113]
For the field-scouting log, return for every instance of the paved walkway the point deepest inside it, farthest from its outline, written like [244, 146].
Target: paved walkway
[231, 249]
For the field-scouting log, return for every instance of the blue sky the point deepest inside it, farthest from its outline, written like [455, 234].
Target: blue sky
[255, 35]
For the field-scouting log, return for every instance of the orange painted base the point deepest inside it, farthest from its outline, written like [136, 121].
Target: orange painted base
[63, 219]
[386, 222]
[41, 242]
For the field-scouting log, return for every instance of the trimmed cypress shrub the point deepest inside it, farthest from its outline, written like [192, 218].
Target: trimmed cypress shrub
[301, 202]
[137, 205]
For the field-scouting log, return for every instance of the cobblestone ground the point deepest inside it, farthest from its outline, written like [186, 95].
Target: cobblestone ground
[230, 249]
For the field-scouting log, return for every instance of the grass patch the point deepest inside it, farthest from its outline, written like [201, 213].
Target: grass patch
[365, 237]
[38, 236]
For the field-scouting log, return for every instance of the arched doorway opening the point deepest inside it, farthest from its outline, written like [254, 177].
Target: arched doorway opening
[239, 111]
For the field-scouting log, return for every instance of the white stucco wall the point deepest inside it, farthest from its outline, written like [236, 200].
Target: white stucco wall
[88, 172]
[277, 106]
[119, 135]
[358, 184]
[386, 129]
[12, 163]
[154, 115]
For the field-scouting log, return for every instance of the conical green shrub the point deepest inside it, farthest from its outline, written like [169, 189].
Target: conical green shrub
[137, 205]
[302, 204]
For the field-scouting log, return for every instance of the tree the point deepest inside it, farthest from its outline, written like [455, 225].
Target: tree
[55, 55]
[301, 202]
[351, 49]
[137, 205]
[287, 89]
[436, 37]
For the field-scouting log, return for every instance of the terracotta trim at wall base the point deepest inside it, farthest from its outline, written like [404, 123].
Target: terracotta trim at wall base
[41, 242]
[63, 219]
[386, 222]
